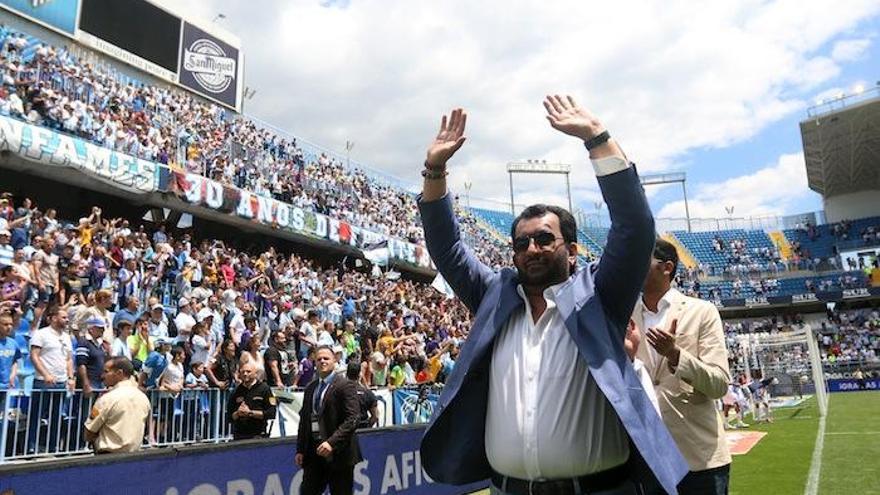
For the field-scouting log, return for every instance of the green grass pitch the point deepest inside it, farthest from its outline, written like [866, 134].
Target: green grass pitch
[780, 463]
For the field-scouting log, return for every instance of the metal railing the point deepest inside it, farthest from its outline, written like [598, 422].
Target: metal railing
[842, 101]
[41, 423]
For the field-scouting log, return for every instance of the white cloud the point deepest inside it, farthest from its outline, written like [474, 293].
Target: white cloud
[848, 50]
[769, 191]
[665, 77]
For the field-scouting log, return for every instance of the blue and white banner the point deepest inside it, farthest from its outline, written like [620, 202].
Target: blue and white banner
[52, 148]
[392, 465]
[414, 406]
[198, 190]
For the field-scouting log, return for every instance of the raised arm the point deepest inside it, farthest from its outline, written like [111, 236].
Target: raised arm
[624, 264]
[467, 276]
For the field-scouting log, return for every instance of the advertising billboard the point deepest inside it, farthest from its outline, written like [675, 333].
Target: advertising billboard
[135, 31]
[209, 66]
[58, 15]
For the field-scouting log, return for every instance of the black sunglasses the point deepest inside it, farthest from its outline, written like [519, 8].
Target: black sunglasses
[542, 240]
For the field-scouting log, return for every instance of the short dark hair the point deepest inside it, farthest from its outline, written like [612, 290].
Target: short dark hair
[52, 311]
[311, 314]
[665, 251]
[567, 223]
[353, 370]
[123, 364]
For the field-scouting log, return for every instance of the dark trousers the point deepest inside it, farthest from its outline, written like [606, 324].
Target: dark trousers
[318, 473]
[713, 481]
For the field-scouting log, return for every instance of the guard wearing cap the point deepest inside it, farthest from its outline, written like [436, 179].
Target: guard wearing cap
[251, 406]
[91, 352]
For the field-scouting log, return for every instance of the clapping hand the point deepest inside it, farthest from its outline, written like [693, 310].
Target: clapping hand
[663, 342]
[449, 139]
[566, 116]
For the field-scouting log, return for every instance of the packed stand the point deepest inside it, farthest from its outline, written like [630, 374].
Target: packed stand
[848, 338]
[51, 87]
[188, 313]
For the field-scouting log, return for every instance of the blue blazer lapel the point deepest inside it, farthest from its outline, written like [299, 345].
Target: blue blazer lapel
[476, 354]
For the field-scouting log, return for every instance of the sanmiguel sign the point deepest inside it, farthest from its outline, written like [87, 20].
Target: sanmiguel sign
[209, 66]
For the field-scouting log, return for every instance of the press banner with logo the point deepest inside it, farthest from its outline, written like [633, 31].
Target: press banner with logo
[209, 66]
[392, 465]
[199, 190]
[59, 15]
[414, 406]
[47, 147]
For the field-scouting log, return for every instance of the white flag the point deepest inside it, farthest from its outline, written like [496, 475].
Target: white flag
[442, 286]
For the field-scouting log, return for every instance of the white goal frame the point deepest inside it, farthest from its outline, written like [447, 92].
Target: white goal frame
[800, 335]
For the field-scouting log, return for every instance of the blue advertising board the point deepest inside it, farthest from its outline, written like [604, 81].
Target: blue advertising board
[59, 15]
[852, 385]
[392, 465]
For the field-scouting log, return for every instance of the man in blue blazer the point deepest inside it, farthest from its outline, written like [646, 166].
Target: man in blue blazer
[543, 398]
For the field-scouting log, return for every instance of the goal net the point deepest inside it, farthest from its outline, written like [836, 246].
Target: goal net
[784, 365]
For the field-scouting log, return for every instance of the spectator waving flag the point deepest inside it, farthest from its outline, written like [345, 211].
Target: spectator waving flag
[377, 253]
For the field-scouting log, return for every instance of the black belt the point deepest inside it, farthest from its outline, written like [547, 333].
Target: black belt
[596, 482]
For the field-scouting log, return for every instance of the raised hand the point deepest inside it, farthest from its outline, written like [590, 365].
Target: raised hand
[631, 340]
[448, 140]
[566, 116]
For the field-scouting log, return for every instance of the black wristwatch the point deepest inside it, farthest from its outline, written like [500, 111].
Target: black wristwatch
[597, 140]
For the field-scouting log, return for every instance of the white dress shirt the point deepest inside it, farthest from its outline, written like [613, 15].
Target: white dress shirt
[654, 320]
[546, 417]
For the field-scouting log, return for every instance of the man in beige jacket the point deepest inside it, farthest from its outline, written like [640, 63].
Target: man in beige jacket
[687, 361]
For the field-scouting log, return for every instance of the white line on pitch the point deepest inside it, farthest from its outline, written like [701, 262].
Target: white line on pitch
[853, 433]
[816, 464]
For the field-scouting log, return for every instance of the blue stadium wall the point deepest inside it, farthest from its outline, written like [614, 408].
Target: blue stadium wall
[392, 465]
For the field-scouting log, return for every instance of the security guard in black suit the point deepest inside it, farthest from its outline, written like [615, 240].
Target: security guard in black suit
[327, 447]
[251, 406]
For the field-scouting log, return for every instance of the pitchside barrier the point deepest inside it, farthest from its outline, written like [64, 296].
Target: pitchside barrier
[853, 385]
[391, 465]
[39, 423]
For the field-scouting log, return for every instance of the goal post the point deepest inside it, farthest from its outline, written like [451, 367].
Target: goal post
[791, 358]
[818, 372]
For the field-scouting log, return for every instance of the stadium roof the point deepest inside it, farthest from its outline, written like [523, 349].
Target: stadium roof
[842, 148]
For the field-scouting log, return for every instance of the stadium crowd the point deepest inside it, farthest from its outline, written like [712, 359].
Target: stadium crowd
[189, 313]
[52, 87]
[846, 338]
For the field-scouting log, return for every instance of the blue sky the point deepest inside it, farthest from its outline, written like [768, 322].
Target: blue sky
[712, 88]
[715, 164]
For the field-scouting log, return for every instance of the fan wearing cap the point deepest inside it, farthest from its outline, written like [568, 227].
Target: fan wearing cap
[91, 352]
[155, 364]
[184, 320]
[158, 321]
